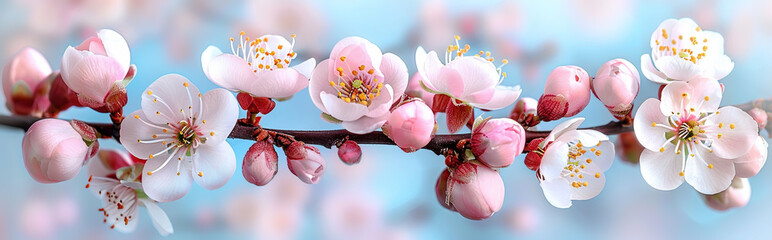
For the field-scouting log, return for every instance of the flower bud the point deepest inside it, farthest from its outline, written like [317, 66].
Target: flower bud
[524, 112]
[566, 93]
[476, 191]
[616, 86]
[53, 151]
[441, 189]
[737, 195]
[751, 163]
[496, 142]
[760, 116]
[26, 83]
[261, 163]
[628, 148]
[410, 125]
[305, 162]
[533, 158]
[349, 152]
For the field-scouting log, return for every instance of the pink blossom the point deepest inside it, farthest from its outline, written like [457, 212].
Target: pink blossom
[260, 67]
[496, 142]
[53, 151]
[261, 163]
[751, 163]
[115, 177]
[688, 138]
[737, 195]
[305, 162]
[358, 84]
[411, 125]
[616, 86]
[524, 111]
[181, 133]
[93, 68]
[24, 83]
[476, 191]
[566, 93]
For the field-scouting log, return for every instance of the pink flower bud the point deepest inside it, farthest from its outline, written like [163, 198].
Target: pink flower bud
[533, 158]
[737, 195]
[261, 163]
[760, 116]
[410, 125]
[441, 190]
[53, 151]
[496, 142]
[751, 163]
[305, 162]
[566, 93]
[628, 148]
[349, 152]
[476, 191]
[524, 112]
[616, 86]
[24, 83]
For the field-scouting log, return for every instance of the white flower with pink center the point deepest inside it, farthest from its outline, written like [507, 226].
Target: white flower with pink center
[573, 163]
[115, 178]
[687, 137]
[681, 50]
[260, 67]
[181, 133]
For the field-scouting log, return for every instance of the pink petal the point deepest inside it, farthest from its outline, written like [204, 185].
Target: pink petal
[116, 47]
[368, 51]
[133, 129]
[476, 73]
[734, 142]
[170, 99]
[705, 88]
[342, 110]
[395, 73]
[430, 68]
[502, 97]
[449, 81]
[648, 70]
[382, 103]
[209, 53]
[28, 66]
[365, 124]
[649, 136]
[662, 169]
[320, 83]
[93, 76]
[216, 162]
[220, 113]
[673, 100]
[722, 66]
[279, 83]
[231, 72]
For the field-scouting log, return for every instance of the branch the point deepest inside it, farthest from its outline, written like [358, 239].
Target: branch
[326, 138]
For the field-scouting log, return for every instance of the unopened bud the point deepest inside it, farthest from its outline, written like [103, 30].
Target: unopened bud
[349, 152]
[261, 163]
[566, 93]
[616, 86]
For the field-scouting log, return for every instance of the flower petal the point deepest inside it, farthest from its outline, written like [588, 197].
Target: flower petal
[554, 160]
[476, 73]
[116, 48]
[382, 103]
[394, 73]
[430, 69]
[706, 94]
[369, 50]
[170, 99]
[320, 83]
[502, 97]
[449, 81]
[568, 125]
[737, 131]
[214, 165]
[165, 185]
[594, 184]
[279, 83]
[708, 173]
[231, 72]
[677, 68]
[722, 66]
[605, 158]
[158, 216]
[673, 100]
[648, 70]
[342, 110]
[558, 192]
[661, 169]
[206, 58]
[651, 137]
[219, 115]
[133, 130]
[365, 124]
[93, 76]
[306, 67]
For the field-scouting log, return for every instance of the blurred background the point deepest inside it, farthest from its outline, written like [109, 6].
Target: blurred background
[390, 194]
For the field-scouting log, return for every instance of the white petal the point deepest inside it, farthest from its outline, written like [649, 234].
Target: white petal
[214, 165]
[430, 71]
[588, 138]
[661, 170]
[704, 88]
[722, 66]
[649, 136]
[558, 192]
[365, 124]
[306, 67]
[677, 68]
[342, 110]
[158, 216]
[604, 160]
[705, 179]
[206, 57]
[502, 97]
[554, 160]
[673, 100]
[231, 72]
[568, 125]
[220, 113]
[395, 73]
[650, 72]
[165, 185]
[277, 84]
[738, 132]
[320, 82]
[70, 59]
[594, 184]
[116, 47]
[133, 129]
[169, 100]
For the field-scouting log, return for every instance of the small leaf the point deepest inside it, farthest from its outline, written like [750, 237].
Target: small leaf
[330, 119]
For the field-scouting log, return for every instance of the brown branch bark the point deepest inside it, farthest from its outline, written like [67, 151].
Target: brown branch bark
[326, 138]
